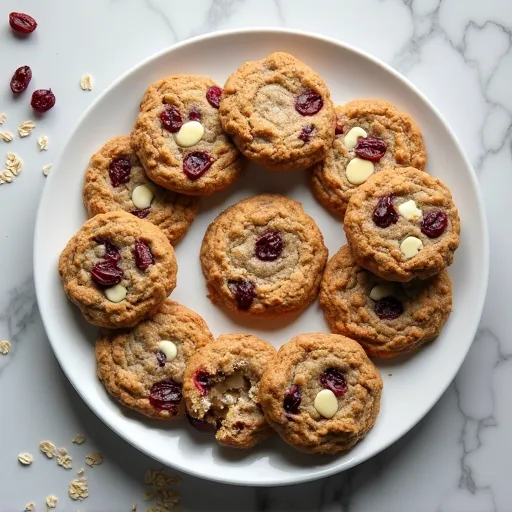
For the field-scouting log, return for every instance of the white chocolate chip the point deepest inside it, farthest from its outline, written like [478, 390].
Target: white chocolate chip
[326, 403]
[411, 246]
[382, 290]
[168, 348]
[359, 170]
[142, 196]
[190, 134]
[116, 293]
[409, 210]
[352, 137]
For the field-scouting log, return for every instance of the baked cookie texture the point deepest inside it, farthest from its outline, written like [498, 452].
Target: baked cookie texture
[110, 243]
[279, 112]
[213, 163]
[221, 386]
[378, 249]
[386, 318]
[379, 119]
[139, 369]
[263, 256]
[171, 212]
[308, 365]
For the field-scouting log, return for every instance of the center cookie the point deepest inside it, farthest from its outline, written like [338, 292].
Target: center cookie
[279, 112]
[263, 256]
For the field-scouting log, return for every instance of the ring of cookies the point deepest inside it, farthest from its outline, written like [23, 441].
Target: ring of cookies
[385, 293]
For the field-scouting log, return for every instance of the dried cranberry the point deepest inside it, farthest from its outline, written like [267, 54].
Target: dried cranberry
[119, 171]
[334, 380]
[306, 132]
[111, 251]
[292, 400]
[21, 79]
[385, 214]
[42, 100]
[370, 148]
[309, 103]
[194, 114]
[171, 118]
[161, 359]
[339, 127]
[434, 223]
[388, 308]
[244, 293]
[213, 95]
[195, 164]
[165, 394]
[269, 246]
[202, 381]
[106, 273]
[202, 426]
[22, 23]
[143, 255]
[142, 213]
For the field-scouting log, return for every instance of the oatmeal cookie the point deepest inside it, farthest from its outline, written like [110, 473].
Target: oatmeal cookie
[370, 135]
[321, 393]
[115, 180]
[279, 112]
[118, 269]
[179, 139]
[386, 318]
[263, 256]
[402, 224]
[143, 367]
[221, 385]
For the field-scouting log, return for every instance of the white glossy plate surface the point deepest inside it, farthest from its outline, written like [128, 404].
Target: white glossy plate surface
[411, 385]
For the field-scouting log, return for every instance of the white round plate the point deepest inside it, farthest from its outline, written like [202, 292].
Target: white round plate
[411, 385]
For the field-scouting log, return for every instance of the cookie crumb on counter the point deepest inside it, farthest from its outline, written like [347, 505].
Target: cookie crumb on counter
[25, 458]
[26, 128]
[5, 346]
[86, 83]
[6, 136]
[51, 501]
[42, 140]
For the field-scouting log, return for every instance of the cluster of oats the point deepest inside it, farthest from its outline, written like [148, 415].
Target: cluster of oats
[51, 501]
[5, 347]
[160, 481]
[78, 489]
[26, 128]
[13, 166]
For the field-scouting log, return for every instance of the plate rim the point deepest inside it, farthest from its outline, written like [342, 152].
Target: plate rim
[288, 479]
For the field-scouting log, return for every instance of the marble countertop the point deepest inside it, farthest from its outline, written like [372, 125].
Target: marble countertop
[459, 53]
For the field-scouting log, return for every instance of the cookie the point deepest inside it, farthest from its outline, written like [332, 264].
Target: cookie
[118, 269]
[279, 112]
[143, 367]
[179, 139]
[263, 256]
[221, 385]
[321, 393]
[370, 135]
[115, 180]
[385, 317]
[402, 224]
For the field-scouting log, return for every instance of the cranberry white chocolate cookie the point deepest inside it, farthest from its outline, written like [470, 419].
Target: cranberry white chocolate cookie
[279, 112]
[386, 318]
[402, 224]
[179, 139]
[143, 367]
[118, 269]
[370, 136]
[263, 256]
[321, 393]
[221, 385]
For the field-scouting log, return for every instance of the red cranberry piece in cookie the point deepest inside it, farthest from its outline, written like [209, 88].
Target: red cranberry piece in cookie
[213, 95]
[111, 251]
[201, 426]
[292, 400]
[202, 381]
[244, 293]
[165, 395]
[334, 380]
[194, 114]
[42, 100]
[309, 103]
[22, 23]
[385, 214]
[143, 255]
[306, 132]
[370, 148]
[119, 171]
[388, 308]
[161, 359]
[141, 213]
[195, 164]
[434, 223]
[269, 246]
[21, 79]
[171, 118]
[106, 273]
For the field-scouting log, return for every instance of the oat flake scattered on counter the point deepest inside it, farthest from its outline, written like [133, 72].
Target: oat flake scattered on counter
[93, 459]
[46, 169]
[42, 140]
[65, 461]
[51, 501]
[3, 117]
[79, 439]
[5, 346]
[26, 128]
[48, 448]
[6, 136]
[29, 507]
[25, 458]
[86, 83]
[78, 489]
[13, 163]
[80, 472]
